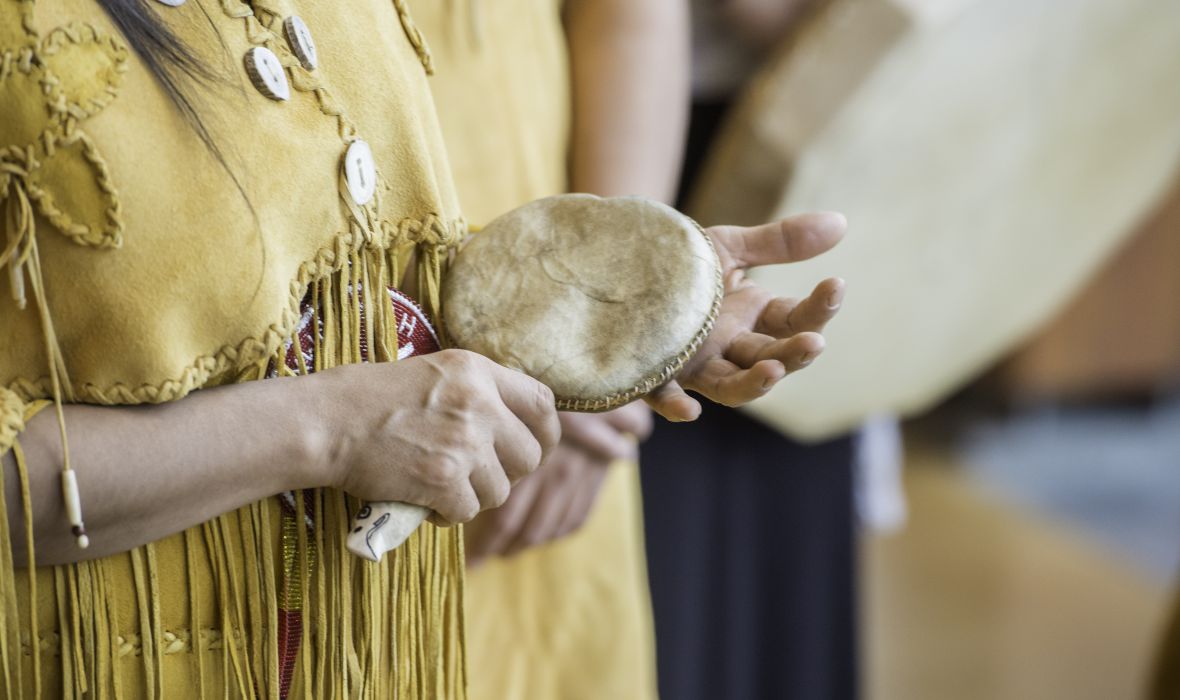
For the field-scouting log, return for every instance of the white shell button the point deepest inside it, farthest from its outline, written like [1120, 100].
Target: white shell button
[360, 172]
[302, 45]
[267, 74]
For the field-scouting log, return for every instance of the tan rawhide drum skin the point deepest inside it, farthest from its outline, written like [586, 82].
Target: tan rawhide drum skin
[989, 156]
[602, 300]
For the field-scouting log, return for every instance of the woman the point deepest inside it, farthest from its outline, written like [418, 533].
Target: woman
[221, 193]
[558, 601]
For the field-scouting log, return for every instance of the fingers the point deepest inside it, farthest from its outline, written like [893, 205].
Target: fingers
[490, 533]
[491, 485]
[634, 418]
[596, 434]
[517, 449]
[540, 526]
[783, 317]
[554, 499]
[513, 456]
[583, 499]
[790, 240]
[546, 506]
[533, 404]
[671, 402]
[725, 383]
[794, 352]
[457, 504]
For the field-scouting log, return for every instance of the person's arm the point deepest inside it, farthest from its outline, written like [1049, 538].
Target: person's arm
[629, 63]
[449, 431]
[764, 22]
[145, 472]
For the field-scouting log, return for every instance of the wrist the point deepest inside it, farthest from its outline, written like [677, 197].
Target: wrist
[312, 446]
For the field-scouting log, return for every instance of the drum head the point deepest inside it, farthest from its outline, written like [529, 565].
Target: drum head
[602, 300]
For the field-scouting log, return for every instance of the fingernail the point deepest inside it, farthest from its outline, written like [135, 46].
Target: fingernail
[836, 298]
[779, 371]
[806, 359]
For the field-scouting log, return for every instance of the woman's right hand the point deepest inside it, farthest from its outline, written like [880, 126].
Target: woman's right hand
[451, 431]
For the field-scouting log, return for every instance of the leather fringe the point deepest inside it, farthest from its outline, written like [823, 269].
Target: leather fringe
[389, 630]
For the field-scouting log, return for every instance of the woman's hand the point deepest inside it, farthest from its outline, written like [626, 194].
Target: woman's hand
[556, 501]
[758, 338]
[451, 431]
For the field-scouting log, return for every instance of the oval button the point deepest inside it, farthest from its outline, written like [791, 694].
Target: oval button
[267, 74]
[299, 37]
[171, 3]
[360, 172]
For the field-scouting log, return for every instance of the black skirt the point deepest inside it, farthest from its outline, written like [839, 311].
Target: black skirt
[750, 545]
[751, 555]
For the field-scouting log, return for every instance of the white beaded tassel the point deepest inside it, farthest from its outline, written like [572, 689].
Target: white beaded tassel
[17, 277]
[69, 489]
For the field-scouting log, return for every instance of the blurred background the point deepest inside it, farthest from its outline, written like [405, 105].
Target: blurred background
[1009, 169]
[1040, 554]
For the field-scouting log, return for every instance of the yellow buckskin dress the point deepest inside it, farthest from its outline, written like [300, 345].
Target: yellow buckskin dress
[569, 620]
[142, 271]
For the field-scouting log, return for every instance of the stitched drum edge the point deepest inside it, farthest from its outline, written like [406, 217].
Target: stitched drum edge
[664, 375]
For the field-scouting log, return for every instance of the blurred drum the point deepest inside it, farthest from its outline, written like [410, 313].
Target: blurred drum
[989, 154]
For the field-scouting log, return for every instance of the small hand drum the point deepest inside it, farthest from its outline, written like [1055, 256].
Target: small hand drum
[602, 300]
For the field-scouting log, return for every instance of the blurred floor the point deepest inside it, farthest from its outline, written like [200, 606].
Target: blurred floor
[1111, 470]
[980, 599]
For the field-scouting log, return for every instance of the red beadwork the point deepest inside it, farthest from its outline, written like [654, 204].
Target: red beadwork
[415, 336]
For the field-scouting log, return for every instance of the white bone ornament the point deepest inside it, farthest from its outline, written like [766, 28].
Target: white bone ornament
[383, 527]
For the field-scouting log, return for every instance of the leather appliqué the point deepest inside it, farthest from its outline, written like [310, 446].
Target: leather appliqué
[52, 85]
[16, 25]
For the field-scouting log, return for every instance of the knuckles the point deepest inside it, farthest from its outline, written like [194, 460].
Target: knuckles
[466, 512]
[532, 461]
[459, 508]
[444, 472]
[500, 494]
[456, 360]
[545, 400]
[464, 390]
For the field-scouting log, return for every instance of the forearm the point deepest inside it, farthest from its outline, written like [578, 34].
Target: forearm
[629, 61]
[765, 22]
[145, 472]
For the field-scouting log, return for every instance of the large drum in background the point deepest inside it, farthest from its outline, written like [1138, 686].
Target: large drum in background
[989, 154]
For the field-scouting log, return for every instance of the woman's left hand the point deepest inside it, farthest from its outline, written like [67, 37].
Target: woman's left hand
[758, 338]
[556, 500]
